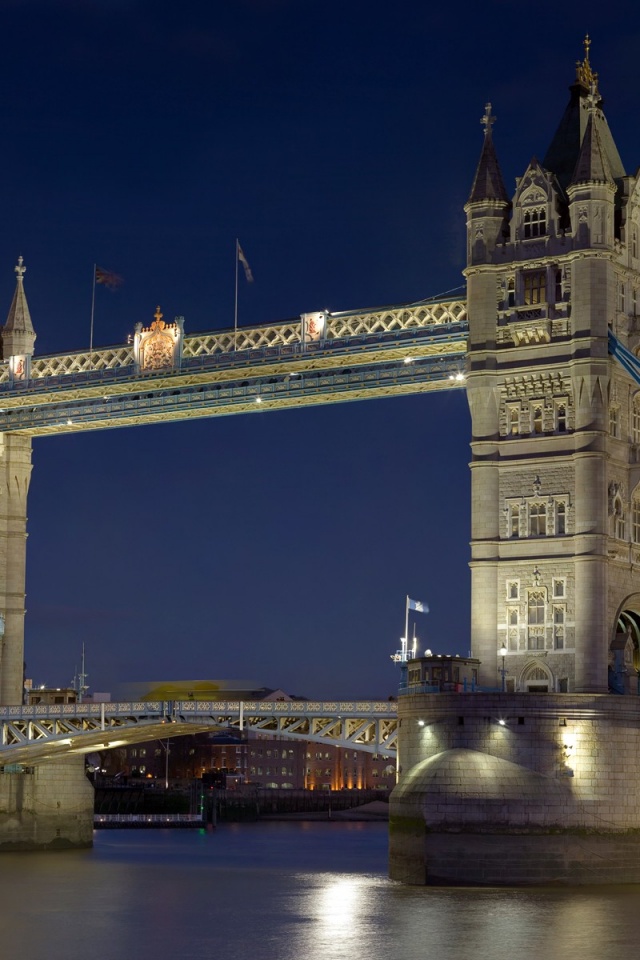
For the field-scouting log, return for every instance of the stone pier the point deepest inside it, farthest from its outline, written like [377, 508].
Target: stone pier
[508, 789]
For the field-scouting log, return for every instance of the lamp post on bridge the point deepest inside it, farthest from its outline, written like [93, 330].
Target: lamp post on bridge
[165, 746]
[503, 672]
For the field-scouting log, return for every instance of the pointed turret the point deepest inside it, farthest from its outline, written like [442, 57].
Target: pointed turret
[592, 165]
[592, 188]
[562, 156]
[18, 335]
[488, 183]
[488, 204]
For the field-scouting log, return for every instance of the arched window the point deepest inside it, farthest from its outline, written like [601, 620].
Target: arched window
[538, 520]
[535, 223]
[561, 417]
[514, 527]
[537, 419]
[635, 520]
[618, 519]
[635, 420]
[614, 420]
[535, 609]
[514, 421]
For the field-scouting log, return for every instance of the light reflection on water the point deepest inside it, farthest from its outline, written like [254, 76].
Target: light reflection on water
[286, 891]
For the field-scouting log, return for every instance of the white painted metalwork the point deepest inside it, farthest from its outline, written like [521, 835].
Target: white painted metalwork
[30, 735]
[338, 326]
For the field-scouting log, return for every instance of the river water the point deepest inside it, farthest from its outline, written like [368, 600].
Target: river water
[286, 891]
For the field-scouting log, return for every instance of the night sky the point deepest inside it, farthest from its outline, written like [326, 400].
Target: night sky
[338, 141]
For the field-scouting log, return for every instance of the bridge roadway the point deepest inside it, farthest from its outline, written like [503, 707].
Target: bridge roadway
[43, 732]
[393, 351]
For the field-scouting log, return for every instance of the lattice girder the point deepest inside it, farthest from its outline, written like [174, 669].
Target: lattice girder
[30, 735]
[389, 352]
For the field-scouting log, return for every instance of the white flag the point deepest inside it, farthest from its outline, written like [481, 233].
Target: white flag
[418, 606]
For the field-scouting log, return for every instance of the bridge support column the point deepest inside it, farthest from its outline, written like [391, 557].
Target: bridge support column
[15, 474]
[48, 808]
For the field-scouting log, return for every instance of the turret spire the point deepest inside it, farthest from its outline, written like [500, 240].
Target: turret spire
[18, 335]
[584, 74]
[584, 108]
[488, 183]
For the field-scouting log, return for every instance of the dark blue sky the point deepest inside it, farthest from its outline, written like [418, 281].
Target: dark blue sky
[338, 142]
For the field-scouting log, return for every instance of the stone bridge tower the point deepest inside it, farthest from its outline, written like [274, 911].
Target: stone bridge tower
[555, 421]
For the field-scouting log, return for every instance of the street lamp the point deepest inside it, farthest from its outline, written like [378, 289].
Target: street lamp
[503, 672]
[166, 761]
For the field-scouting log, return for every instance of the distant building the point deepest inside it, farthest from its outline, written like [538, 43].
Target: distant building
[51, 695]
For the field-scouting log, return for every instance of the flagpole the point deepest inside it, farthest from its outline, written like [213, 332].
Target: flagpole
[235, 313]
[93, 303]
[406, 629]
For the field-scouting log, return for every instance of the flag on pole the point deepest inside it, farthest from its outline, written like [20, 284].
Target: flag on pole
[243, 261]
[418, 606]
[108, 279]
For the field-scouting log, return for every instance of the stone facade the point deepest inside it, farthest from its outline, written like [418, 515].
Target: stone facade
[539, 784]
[47, 807]
[555, 421]
[521, 788]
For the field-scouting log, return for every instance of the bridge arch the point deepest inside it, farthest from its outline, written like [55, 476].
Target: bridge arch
[624, 646]
[536, 677]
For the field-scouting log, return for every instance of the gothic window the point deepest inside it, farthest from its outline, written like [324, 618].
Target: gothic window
[535, 608]
[558, 616]
[614, 420]
[512, 617]
[513, 590]
[621, 304]
[558, 285]
[535, 287]
[635, 520]
[511, 292]
[538, 519]
[514, 520]
[536, 641]
[535, 223]
[561, 417]
[635, 420]
[514, 420]
[561, 518]
[559, 588]
[618, 519]
[536, 419]
[558, 638]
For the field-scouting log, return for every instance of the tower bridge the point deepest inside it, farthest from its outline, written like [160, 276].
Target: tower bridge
[545, 342]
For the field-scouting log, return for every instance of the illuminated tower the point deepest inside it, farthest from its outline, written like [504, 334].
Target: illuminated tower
[18, 338]
[555, 422]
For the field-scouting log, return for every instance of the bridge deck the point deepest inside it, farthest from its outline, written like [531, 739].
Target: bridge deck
[35, 734]
[389, 352]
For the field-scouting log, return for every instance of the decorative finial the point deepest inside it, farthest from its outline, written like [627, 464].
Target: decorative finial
[488, 120]
[20, 270]
[158, 315]
[584, 74]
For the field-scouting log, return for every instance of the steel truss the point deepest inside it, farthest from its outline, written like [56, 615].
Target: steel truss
[391, 352]
[34, 734]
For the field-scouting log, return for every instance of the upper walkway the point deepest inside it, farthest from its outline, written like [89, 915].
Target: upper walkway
[163, 374]
[33, 734]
